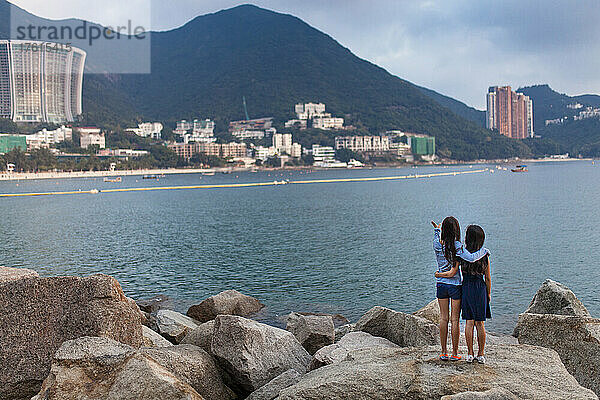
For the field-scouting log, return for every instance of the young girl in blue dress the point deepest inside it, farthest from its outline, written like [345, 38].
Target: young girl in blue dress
[448, 251]
[476, 294]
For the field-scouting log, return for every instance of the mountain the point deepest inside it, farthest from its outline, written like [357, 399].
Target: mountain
[457, 107]
[574, 136]
[204, 68]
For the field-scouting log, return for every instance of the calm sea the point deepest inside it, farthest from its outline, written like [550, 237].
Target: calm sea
[329, 247]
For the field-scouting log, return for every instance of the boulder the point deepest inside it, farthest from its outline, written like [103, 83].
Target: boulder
[153, 339]
[312, 331]
[342, 330]
[174, 326]
[100, 368]
[153, 304]
[430, 312]
[555, 298]
[229, 302]
[403, 329]
[39, 314]
[194, 366]
[527, 372]
[575, 339]
[338, 319]
[201, 336]
[339, 351]
[492, 394]
[254, 353]
[272, 389]
[13, 274]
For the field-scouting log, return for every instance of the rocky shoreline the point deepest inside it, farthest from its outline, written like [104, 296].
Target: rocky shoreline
[82, 338]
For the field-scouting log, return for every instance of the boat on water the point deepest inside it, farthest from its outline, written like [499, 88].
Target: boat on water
[283, 182]
[117, 179]
[520, 168]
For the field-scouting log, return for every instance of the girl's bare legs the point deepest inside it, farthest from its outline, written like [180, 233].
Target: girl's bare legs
[480, 338]
[454, 320]
[444, 304]
[469, 336]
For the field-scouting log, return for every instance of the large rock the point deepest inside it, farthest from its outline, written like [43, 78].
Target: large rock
[341, 331]
[555, 298]
[153, 304]
[254, 353]
[99, 368]
[201, 336]
[194, 366]
[492, 394]
[153, 339]
[272, 389]
[39, 314]
[527, 372]
[312, 331]
[351, 341]
[229, 302]
[403, 329]
[174, 326]
[575, 339]
[430, 312]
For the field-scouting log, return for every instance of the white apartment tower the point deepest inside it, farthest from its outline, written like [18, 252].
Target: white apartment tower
[39, 83]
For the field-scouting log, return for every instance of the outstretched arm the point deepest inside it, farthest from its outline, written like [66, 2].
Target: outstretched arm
[448, 274]
[437, 231]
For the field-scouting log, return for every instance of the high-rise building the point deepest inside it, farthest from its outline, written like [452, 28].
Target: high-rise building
[40, 83]
[509, 112]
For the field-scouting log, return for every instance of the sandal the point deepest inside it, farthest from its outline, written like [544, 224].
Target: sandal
[455, 358]
[444, 357]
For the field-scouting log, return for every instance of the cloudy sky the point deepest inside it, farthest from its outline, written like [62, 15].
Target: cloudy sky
[457, 47]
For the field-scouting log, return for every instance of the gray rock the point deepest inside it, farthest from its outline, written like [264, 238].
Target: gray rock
[39, 314]
[430, 312]
[229, 302]
[100, 368]
[153, 304]
[312, 331]
[194, 366]
[527, 372]
[492, 394]
[343, 330]
[201, 336]
[173, 325]
[339, 351]
[403, 329]
[575, 339]
[555, 298]
[153, 339]
[254, 353]
[272, 389]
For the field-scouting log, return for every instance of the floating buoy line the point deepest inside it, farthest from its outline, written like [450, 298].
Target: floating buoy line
[251, 184]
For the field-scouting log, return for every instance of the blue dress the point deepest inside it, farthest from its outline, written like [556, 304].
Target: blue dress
[475, 304]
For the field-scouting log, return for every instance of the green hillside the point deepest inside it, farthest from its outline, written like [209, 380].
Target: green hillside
[580, 137]
[204, 68]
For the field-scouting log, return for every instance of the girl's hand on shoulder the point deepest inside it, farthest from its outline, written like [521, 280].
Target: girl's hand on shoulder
[437, 274]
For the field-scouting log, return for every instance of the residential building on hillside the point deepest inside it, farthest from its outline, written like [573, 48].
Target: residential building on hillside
[46, 138]
[11, 142]
[310, 111]
[39, 84]
[148, 129]
[91, 136]
[227, 150]
[422, 146]
[322, 153]
[328, 123]
[252, 129]
[509, 112]
[363, 143]
[199, 131]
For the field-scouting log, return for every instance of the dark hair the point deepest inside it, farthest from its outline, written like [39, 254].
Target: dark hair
[474, 239]
[450, 234]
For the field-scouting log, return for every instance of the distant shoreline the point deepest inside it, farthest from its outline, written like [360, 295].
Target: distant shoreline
[19, 176]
